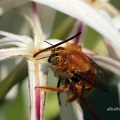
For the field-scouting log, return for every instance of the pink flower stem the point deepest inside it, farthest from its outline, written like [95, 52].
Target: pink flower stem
[37, 103]
[34, 8]
[89, 108]
[79, 29]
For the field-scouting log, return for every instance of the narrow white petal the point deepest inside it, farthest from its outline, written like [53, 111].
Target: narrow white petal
[12, 52]
[28, 19]
[8, 41]
[113, 52]
[82, 11]
[32, 90]
[116, 22]
[19, 44]
[24, 39]
[79, 27]
[108, 63]
[77, 110]
[38, 35]
[37, 77]
[68, 112]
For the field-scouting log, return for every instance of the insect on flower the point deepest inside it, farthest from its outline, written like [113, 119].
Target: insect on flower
[77, 72]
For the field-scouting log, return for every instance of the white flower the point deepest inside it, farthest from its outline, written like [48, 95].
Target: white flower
[80, 10]
[103, 5]
[25, 46]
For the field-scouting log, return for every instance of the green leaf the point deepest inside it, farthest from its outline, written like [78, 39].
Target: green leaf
[62, 27]
[18, 74]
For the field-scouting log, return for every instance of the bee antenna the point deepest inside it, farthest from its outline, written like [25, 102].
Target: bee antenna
[53, 46]
[48, 43]
[67, 39]
[42, 58]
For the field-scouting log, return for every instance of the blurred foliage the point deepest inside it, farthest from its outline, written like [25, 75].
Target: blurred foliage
[97, 43]
[62, 26]
[12, 79]
[15, 109]
[116, 3]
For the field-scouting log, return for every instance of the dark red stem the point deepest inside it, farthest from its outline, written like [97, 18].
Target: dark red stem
[89, 108]
[78, 30]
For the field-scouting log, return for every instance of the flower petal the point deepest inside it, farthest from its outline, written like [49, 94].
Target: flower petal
[116, 22]
[38, 35]
[108, 63]
[79, 27]
[82, 11]
[25, 39]
[5, 41]
[77, 110]
[113, 52]
[37, 77]
[12, 52]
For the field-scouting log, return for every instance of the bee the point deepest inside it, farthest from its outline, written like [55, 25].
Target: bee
[77, 72]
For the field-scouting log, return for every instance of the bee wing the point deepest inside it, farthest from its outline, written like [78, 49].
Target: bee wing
[98, 80]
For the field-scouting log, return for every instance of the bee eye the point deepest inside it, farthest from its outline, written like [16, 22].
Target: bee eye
[49, 60]
[55, 60]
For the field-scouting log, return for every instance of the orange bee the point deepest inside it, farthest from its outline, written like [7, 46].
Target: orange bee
[76, 71]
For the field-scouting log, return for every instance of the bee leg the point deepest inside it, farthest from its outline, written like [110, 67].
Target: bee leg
[62, 88]
[86, 88]
[76, 90]
[71, 99]
[58, 94]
